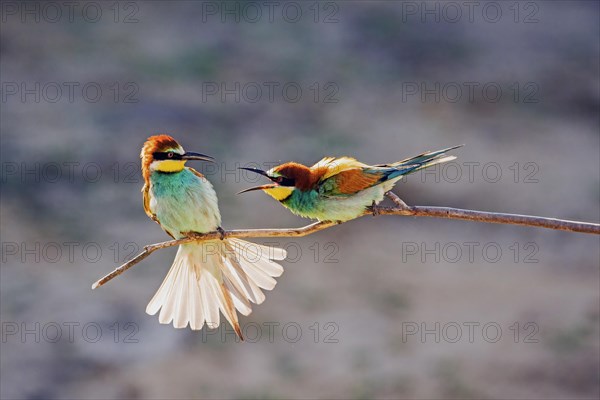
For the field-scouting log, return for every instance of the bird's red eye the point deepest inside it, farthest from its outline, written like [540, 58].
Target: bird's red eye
[279, 179]
[170, 154]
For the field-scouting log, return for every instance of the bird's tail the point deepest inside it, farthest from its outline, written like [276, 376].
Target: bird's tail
[422, 161]
[223, 275]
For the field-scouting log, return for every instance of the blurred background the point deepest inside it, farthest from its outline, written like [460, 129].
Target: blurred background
[384, 307]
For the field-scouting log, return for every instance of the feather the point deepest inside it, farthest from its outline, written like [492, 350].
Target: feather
[202, 283]
[330, 166]
[354, 180]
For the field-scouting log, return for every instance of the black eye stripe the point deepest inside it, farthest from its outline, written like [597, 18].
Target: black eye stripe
[283, 181]
[288, 182]
[165, 156]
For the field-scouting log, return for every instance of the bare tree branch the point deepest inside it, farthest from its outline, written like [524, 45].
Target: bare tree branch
[401, 209]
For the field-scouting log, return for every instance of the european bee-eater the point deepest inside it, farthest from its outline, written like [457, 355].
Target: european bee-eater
[339, 189]
[206, 276]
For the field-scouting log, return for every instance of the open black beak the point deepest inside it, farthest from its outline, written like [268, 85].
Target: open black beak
[262, 187]
[197, 156]
[256, 170]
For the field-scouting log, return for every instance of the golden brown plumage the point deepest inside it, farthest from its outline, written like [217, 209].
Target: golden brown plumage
[339, 189]
[354, 180]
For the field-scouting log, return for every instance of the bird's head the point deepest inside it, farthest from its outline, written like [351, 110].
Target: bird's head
[162, 153]
[286, 178]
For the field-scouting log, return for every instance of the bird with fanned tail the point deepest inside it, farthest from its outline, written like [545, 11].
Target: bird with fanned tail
[206, 277]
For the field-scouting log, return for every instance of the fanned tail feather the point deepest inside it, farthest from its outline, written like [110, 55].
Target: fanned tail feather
[214, 276]
[425, 157]
[422, 161]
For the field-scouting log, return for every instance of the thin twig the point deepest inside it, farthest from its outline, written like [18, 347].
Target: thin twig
[401, 209]
[397, 200]
[200, 237]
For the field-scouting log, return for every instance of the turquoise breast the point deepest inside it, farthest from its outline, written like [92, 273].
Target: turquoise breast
[183, 202]
[305, 204]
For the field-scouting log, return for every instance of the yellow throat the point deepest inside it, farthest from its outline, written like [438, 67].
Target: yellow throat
[170, 165]
[280, 192]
